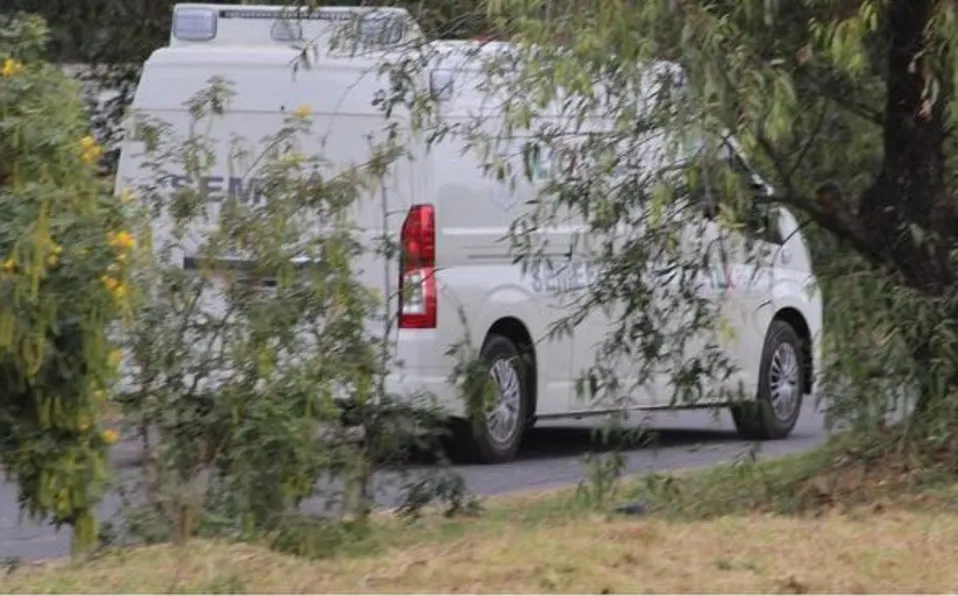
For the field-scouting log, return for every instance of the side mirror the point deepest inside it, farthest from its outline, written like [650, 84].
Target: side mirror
[710, 206]
[441, 84]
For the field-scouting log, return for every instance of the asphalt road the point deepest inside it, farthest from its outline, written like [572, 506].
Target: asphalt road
[551, 457]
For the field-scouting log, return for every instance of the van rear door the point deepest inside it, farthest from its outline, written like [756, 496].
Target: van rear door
[345, 126]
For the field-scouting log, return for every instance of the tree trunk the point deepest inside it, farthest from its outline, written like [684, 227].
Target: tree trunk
[909, 208]
[909, 205]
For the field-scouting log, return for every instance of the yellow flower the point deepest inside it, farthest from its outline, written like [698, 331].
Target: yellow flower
[120, 291]
[91, 150]
[55, 251]
[122, 240]
[11, 67]
[91, 156]
[110, 436]
[303, 111]
[9, 265]
[110, 283]
[292, 157]
[114, 358]
[63, 501]
[126, 195]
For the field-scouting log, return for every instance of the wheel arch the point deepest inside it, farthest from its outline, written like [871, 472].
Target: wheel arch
[516, 331]
[797, 321]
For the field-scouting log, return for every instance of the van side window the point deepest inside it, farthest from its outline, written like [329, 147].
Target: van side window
[535, 162]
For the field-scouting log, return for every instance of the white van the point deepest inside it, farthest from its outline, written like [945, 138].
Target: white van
[446, 205]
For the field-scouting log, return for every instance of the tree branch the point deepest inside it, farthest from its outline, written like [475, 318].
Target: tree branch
[828, 212]
[834, 218]
[834, 89]
[808, 142]
[859, 109]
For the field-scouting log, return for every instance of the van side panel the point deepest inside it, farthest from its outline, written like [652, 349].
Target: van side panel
[478, 269]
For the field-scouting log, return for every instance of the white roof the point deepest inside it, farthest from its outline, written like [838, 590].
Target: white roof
[259, 25]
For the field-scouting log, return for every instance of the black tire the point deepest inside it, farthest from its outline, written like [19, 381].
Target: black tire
[478, 443]
[759, 420]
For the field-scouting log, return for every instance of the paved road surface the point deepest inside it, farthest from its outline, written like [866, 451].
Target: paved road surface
[552, 457]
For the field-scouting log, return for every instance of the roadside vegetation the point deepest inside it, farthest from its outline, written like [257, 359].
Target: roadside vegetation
[848, 109]
[734, 528]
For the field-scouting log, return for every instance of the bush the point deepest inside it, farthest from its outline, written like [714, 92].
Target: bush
[64, 243]
[237, 378]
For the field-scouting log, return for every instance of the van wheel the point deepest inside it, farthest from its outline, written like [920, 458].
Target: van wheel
[494, 434]
[781, 382]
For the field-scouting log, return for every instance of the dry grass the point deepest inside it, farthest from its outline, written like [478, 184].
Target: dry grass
[878, 526]
[894, 550]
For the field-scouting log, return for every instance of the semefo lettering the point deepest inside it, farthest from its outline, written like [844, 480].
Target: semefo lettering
[217, 188]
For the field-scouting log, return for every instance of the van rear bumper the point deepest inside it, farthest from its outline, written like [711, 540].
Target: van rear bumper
[419, 372]
[429, 390]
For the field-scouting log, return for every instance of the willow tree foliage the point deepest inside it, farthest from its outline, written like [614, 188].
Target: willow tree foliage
[846, 107]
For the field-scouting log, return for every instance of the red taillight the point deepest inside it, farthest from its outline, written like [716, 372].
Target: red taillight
[417, 282]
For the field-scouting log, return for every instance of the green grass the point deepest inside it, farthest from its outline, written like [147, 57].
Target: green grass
[843, 474]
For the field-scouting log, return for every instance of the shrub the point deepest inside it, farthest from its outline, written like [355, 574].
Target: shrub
[63, 244]
[236, 374]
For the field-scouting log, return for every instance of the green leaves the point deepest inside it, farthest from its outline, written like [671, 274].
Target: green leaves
[843, 40]
[244, 374]
[57, 216]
